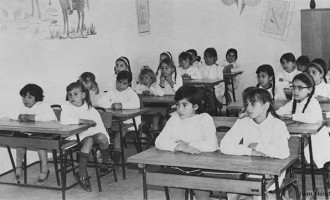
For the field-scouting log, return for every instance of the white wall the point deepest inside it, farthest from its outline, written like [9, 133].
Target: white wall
[175, 26]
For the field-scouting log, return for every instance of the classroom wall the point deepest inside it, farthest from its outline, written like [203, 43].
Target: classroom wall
[26, 56]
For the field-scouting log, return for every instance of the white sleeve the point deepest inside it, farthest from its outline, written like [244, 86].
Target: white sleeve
[312, 114]
[166, 139]
[45, 113]
[230, 142]
[105, 101]
[279, 94]
[133, 100]
[139, 88]
[67, 116]
[178, 82]
[209, 142]
[286, 109]
[277, 146]
[157, 91]
[196, 74]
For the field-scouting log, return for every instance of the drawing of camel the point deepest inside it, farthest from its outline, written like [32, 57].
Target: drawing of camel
[38, 9]
[77, 5]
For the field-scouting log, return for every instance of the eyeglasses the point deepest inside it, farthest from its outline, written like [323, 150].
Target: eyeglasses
[299, 88]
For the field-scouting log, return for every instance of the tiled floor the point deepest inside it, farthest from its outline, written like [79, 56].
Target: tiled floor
[129, 189]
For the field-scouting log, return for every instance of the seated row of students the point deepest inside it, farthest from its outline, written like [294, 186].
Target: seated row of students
[191, 131]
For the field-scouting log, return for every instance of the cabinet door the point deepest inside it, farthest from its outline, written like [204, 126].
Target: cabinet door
[315, 33]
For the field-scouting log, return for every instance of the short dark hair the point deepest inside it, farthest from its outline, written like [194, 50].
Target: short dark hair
[184, 56]
[289, 57]
[33, 90]
[192, 94]
[303, 60]
[232, 50]
[88, 75]
[211, 52]
[124, 75]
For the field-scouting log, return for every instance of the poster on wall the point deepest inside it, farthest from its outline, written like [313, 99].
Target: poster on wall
[46, 19]
[276, 18]
[142, 7]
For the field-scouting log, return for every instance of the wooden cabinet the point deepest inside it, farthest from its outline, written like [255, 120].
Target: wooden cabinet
[315, 34]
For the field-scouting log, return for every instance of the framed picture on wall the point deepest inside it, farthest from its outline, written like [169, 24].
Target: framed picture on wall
[142, 7]
[276, 18]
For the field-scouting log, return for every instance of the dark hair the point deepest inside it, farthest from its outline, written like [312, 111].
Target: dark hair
[193, 51]
[268, 69]
[211, 52]
[192, 94]
[147, 71]
[169, 62]
[88, 75]
[259, 94]
[167, 54]
[303, 60]
[126, 61]
[289, 57]
[33, 90]
[184, 56]
[232, 50]
[82, 88]
[309, 81]
[323, 64]
[124, 75]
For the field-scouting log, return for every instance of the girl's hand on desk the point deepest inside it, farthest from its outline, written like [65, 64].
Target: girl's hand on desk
[257, 153]
[186, 77]
[287, 116]
[26, 118]
[322, 99]
[253, 145]
[187, 149]
[146, 92]
[182, 142]
[117, 106]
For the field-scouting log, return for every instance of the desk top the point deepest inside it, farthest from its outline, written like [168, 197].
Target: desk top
[168, 99]
[127, 113]
[205, 82]
[215, 161]
[278, 103]
[51, 127]
[232, 74]
[294, 127]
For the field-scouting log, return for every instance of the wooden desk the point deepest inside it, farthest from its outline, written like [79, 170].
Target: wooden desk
[208, 83]
[158, 104]
[51, 136]
[231, 76]
[119, 116]
[214, 161]
[305, 130]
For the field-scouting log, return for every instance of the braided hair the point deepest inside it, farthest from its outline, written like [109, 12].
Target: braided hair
[309, 81]
[268, 69]
[262, 95]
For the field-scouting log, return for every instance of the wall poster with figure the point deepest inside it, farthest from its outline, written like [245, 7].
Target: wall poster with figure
[142, 7]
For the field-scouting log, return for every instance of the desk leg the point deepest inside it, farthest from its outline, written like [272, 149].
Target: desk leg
[11, 158]
[136, 139]
[145, 189]
[122, 150]
[62, 174]
[25, 167]
[263, 188]
[215, 101]
[277, 188]
[303, 168]
[233, 87]
[312, 166]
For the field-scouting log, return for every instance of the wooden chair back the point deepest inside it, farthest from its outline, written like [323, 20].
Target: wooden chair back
[57, 110]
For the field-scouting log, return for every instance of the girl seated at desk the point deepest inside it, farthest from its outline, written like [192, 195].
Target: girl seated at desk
[259, 133]
[147, 83]
[304, 108]
[34, 110]
[187, 70]
[189, 131]
[78, 109]
[266, 80]
[322, 89]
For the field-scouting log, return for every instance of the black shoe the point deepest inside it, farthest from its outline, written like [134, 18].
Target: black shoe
[70, 12]
[43, 177]
[106, 168]
[83, 182]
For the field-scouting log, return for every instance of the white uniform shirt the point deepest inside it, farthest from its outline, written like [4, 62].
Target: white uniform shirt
[322, 89]
[192, 71]
[41, 110]
[168, 90]
[312, 114]
[287, 78]
[271, 135]
[279, 93]
[198, 131]
[139, 88]
[128, 98]
[71, 114]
